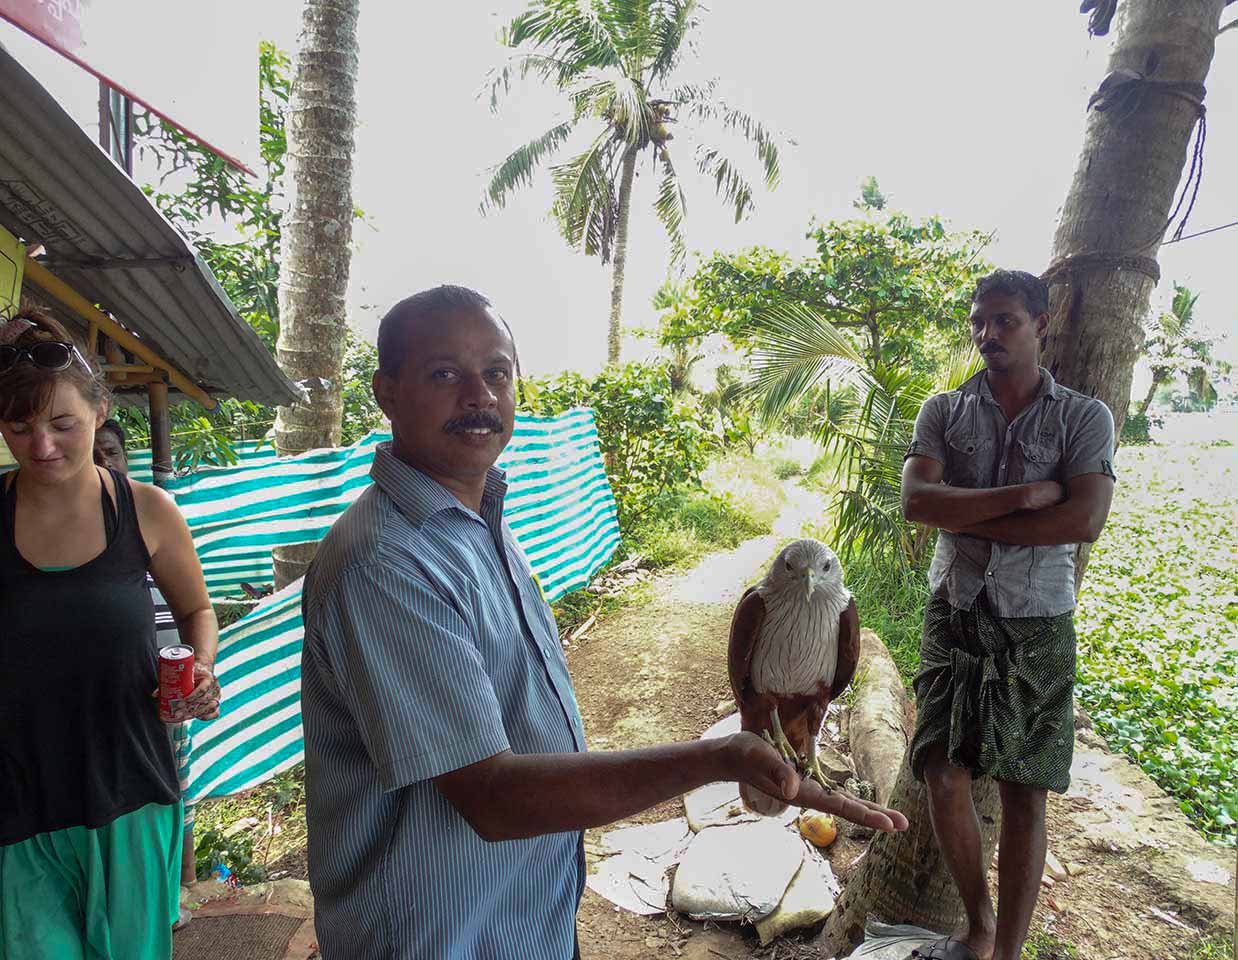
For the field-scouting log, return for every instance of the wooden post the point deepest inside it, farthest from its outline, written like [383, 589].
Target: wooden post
[160, 433]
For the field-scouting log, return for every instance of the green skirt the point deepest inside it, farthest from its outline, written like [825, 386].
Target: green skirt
[997, 693]
[106, 894]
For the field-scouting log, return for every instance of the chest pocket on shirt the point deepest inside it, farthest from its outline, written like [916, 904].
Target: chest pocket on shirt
[1041, 461]
[970, 458]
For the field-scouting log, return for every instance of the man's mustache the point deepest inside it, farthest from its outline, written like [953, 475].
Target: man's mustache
[481, 420]
[992, 348]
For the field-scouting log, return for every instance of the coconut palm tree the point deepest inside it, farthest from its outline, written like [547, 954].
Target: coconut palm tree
[316, 238]
[1175, 346]
[868, 419]
[614, 61]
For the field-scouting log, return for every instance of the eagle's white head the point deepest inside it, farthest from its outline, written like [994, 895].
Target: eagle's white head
[806, 567]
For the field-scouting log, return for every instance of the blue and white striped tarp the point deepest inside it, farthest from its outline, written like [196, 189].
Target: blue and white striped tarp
[559, 506]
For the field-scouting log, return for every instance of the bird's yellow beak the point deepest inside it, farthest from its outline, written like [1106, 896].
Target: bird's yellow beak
[810, 583]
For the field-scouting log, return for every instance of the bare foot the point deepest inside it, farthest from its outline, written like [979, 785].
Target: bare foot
[982, 938]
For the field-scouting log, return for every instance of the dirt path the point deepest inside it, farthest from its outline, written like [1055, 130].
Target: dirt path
[656, 672]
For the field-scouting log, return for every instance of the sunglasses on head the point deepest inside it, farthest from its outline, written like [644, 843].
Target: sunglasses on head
[48, 354]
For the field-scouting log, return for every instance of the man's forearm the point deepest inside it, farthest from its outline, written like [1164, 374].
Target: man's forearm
[1052, 526]
[532, 794]
[951, 508]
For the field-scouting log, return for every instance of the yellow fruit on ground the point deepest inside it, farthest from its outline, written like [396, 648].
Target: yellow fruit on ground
[818, 828]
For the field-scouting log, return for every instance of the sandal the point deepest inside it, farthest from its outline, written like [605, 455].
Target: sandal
[947, 948]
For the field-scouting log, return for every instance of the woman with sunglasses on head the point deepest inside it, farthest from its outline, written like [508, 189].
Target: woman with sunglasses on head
[90, 812]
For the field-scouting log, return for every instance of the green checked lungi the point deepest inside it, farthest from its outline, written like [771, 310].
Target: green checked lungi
[997, 693]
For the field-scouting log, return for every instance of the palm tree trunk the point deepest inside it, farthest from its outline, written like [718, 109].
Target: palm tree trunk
[1123, 187]
[1157, 379]
[316, 238]
[613, 337]
[903, 878]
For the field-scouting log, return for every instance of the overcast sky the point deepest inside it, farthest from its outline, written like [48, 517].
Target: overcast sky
[972, 109]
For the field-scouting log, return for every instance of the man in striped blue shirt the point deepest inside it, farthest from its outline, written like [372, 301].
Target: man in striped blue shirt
[447, 783]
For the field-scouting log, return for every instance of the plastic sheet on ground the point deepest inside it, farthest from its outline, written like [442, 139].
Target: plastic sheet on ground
[882, 942]
[632, 872]
[737, 872]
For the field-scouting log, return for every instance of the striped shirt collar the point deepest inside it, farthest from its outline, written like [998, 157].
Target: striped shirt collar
[418, 497]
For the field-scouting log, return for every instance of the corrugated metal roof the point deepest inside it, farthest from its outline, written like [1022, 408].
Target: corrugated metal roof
[106, 240]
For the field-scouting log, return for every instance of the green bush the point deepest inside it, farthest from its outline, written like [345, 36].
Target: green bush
[688, 524]
[890, 598]
[1043, 945]
[1137, 429]
[654, 442]
[785, 468]
[1157, 668]
[213, 849]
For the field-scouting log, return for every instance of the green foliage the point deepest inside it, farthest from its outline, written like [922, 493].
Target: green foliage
[868, 424]
[361, 413]
[1214, 948]
[891, 601]
[248, 817]
[689, 524]
[613, 62]
[1158, 670]
[199, 193]
[1176, 346]
[213, 848]
[871, 197]
[897, 290]
[1137, 429]
[785, 469]
[227, 614]
[198, 190]
[654, 442]
[1044, 945]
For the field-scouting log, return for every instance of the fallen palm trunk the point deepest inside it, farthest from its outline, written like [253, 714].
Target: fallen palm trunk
[877, 727]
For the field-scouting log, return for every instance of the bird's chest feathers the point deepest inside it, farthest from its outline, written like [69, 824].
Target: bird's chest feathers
[797, 647]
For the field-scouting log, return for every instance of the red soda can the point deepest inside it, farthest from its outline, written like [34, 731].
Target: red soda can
[175, 678]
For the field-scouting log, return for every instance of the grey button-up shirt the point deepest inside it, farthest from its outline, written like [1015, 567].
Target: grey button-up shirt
[1061, 434]
[428, 647]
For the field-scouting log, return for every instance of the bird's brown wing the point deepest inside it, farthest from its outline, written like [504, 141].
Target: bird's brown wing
[848, 650]
[745, 629]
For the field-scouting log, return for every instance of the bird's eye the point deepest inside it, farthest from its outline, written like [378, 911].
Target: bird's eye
[788, 563]
[827, 566]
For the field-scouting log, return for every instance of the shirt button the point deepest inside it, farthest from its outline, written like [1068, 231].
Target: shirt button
[990, 573]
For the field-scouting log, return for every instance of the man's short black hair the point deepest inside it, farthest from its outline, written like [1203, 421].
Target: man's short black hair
[1015, 283]
[115, 428]
[437, 303]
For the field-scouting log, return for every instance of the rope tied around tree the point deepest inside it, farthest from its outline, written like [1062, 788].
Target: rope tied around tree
[1123, 93]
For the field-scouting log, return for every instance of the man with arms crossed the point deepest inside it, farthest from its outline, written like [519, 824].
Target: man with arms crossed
[1015, 470]
[447, 782]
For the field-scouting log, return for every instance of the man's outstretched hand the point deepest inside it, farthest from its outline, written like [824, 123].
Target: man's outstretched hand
[759, 765]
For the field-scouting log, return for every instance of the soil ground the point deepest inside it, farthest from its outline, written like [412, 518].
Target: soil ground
[655, 671]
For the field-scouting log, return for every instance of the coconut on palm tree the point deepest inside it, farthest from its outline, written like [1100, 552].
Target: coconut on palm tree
[615, 61]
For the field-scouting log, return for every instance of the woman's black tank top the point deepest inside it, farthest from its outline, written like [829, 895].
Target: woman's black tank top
[81, 742]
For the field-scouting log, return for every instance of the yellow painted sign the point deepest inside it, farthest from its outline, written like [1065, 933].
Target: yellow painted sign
[12, 263]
